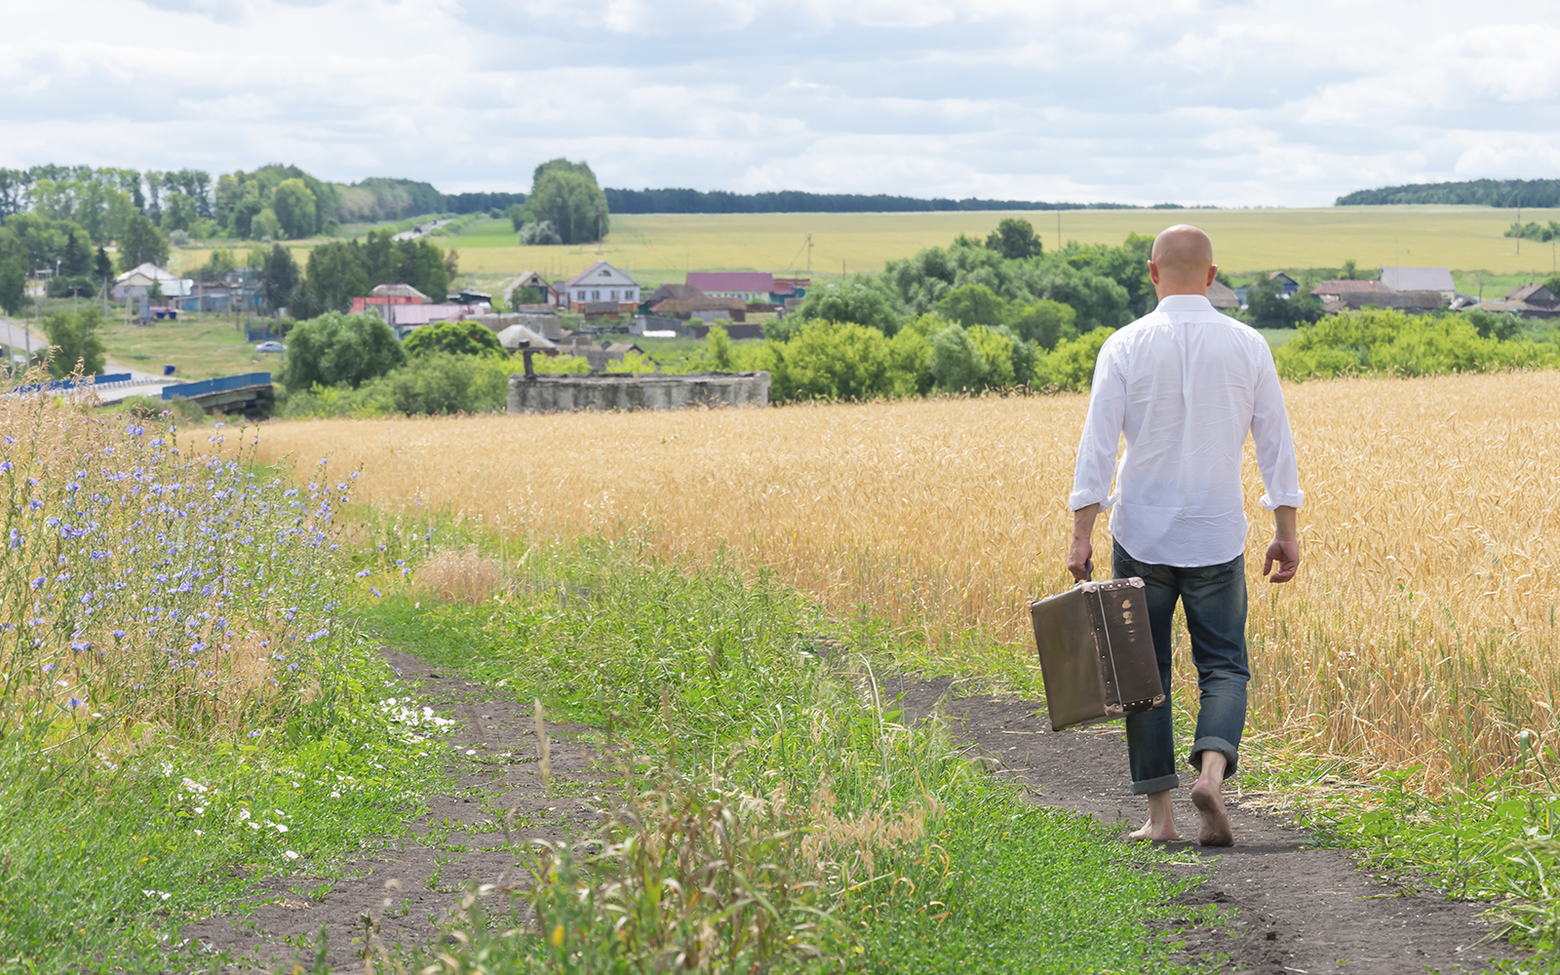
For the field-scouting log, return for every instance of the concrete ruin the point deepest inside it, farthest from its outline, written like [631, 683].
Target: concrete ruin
[644, 391]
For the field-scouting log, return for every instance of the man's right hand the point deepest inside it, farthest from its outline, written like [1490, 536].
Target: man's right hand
[1080, 559]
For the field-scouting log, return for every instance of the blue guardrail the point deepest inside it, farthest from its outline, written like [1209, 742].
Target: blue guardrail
[220, 385]
[59, 385]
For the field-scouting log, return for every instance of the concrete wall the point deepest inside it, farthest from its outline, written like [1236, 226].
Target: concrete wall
[654, 391]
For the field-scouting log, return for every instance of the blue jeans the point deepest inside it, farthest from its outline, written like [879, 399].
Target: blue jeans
[1214, 598]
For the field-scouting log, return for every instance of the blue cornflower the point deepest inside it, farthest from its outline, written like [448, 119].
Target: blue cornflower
[80, 645]
[73, 703]
[119, 634]
[38, 582]
[48, 667]
[5, 465]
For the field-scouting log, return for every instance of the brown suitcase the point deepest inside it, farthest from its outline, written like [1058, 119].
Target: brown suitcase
[1096, 653]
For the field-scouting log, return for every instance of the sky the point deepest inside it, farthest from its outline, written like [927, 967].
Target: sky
[1213, 103]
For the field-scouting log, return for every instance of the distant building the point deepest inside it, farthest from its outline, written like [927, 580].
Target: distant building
[389, 294]
[1329, 290]
[787, 289]
[1407, 301]
[1529, 301]
[709, 309]
[674, 292]
[1436, 279]
[1220, 295]
[747, 285]
[1288, 287]
[138, 281]
[601, 282]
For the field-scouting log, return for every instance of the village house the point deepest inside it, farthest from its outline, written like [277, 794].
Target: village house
[139, 281]
[601, 283]
[1220, 295]
[1529, 301]
[1420, 279]
[1335, 290]
[389, 294]
[750, 286]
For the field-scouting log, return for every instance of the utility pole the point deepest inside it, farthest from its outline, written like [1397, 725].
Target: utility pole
[809, 253]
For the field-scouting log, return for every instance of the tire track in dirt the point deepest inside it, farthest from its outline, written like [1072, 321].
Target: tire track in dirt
[422, 876]
[1296, 908]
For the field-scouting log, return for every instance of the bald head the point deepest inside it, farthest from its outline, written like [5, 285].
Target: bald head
[1181, 262]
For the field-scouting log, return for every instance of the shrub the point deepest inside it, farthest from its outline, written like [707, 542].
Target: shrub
[336, 349]
[850, 301]
[73, 335]
[66, 287]
[829, 361]
[1070, 366]
[456, 338]
[440, 382]
[1384, 340]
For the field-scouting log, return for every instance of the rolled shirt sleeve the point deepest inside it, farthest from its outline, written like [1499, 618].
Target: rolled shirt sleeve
[1096, 463]
[1274, 443]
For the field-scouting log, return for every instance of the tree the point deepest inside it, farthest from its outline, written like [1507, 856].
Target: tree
[456, 338]
[336, 349]
[848, 301]
[294, 205]
[973, 304]
[77, 260]
[1045, 323]
[1015, 239]
[440, 382]
[336, 275]
[74, 335]
[1266, 307]
[13, 280]
[278, 277]
[825, 360]
[1350, 269]
[180, 212]
[244, 213]
[102, 265]
[566, 195]
[142, 244]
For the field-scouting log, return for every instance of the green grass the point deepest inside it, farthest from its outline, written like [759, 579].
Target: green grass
[720, 689]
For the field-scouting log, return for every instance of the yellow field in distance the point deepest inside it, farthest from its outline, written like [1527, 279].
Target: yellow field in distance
[1421, 629]
[665, 246]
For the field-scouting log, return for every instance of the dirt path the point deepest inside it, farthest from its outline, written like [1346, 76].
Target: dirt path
[1292, 909]
[422, 878]
[1300, 909]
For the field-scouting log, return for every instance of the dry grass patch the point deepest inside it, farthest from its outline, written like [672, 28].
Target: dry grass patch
[465, 576]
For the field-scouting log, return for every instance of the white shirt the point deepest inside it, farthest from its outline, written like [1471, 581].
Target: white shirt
[1185, 385]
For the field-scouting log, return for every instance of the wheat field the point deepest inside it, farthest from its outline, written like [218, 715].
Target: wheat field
[1420, 632]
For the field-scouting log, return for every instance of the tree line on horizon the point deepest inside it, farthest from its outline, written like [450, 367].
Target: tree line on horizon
[1504, 193]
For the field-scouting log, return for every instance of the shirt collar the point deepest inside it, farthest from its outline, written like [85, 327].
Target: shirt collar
[1184, 303]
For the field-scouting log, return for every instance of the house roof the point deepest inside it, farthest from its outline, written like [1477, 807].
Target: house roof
[1281, 276]
[1221, 295]
[1402, 300]
[398, 291]
[1350, 287]
[1418, 278]
[678, 292]
[671, 306]
[1536, 294]
[512, 336]
[708, 281]
[149, 271]
[602, 275]
[423, 314]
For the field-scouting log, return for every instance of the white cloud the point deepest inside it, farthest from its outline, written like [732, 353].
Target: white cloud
[1192, 100]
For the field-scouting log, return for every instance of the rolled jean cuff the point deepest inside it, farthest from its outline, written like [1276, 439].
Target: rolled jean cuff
[1213, 743]
[1171, 781]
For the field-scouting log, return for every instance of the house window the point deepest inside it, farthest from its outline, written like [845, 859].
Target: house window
[595, 296]
[582, 296]
[614, 296]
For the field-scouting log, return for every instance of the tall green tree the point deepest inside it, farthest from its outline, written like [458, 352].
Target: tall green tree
[973, 304]
[77, 260]
[335, 275]
[849, 301]
[179, 214]
[336, 349]
[142, 243]
[13, 274]
[566, 194]
[1015, 239]
[279, 276]
[74, 336]
[102, 266]
[295, 208]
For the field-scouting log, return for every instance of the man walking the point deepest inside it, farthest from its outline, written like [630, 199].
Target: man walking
[1185, 385]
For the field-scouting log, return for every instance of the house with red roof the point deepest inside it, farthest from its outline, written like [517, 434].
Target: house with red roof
[601, 282]
[747, 285]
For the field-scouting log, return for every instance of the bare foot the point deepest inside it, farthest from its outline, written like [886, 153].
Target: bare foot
[1155, 832]
[1215, 826]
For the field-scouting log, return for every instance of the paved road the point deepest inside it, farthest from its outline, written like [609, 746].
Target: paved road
[18, 333]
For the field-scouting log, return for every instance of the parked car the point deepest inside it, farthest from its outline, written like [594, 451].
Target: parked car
[270, 347]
